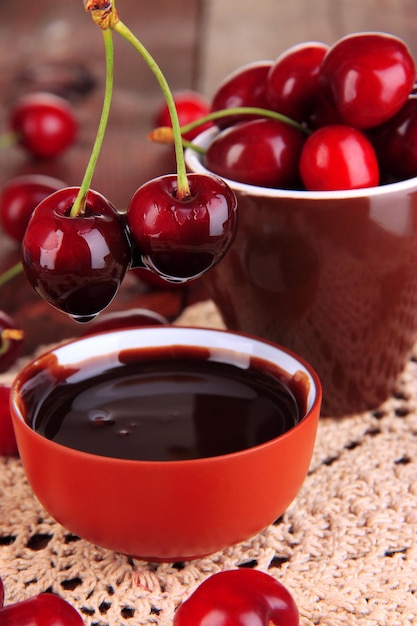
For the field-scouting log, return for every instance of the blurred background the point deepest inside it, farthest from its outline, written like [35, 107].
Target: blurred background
[55, 46]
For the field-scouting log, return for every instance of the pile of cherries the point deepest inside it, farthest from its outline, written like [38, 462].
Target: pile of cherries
[354, 108]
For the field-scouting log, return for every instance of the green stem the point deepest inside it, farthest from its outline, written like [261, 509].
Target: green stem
[79, 204]
[13, 271]
[215, 115]
[8, 139]
[183, 186]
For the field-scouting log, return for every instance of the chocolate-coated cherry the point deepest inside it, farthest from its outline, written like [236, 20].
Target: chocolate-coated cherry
[338, 157]
[260, 152]
[245, 87]
[190, 106]
[367, 77]
[76, 263]
[44, 124]
[181, 238]
[293, 80]
[8, 445]
[19, 197]
[45, 609]
[11, 340]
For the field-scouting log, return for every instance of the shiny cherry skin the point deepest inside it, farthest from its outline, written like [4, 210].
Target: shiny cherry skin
[181, 238]
[293, 80]
[190, 106]
[76, 263]
[18, 199]
[45, 609]
[45, 124]
[338, 157]
[238, 597]
[261, 152]
[131, 318]
[8, 444]
[11, 341]
[367, 77]
[245, 87]
[395, 143]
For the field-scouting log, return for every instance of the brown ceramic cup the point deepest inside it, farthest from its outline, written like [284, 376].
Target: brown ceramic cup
[330, 275]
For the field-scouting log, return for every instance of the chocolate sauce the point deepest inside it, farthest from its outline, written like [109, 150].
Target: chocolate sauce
[164, 409]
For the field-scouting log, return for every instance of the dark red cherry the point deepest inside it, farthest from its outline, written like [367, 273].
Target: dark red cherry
[261, 152]
[181, 238]
[44, 124]
[338, 157]
[19, 197]
[293, 80]
[11, 341]
[45, 609]
[395, 143]
[76, 263]
[190, 106]
[8, 444]
[245, 87]
[132, 318]
[367, 77]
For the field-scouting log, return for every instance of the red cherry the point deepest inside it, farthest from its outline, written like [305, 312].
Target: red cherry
[293, 80]
[45, 124]
[395, 143]
[190, 106]
[45, 609]
[338, 157]
[8, 445]
[260, 152]
[245, 87]
[367, 77]
[18, 199]
[180, 238]
[76, 263]
[125, 319]
[11, 340]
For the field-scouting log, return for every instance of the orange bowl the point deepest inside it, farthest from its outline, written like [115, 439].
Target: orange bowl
[163, 510]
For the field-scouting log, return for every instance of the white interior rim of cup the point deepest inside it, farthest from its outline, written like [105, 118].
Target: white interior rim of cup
[195, 165]
[221, 343]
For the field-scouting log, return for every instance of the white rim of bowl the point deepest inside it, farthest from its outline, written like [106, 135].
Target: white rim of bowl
[220, 343]
[194, 162]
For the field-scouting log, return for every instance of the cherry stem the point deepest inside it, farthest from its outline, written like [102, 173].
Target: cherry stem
[80, 201]
[8, 139]
[183, 189]
[13, 271]
[7, 335]
[215, 115]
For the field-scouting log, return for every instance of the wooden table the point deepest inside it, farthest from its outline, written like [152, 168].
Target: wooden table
[56, 47]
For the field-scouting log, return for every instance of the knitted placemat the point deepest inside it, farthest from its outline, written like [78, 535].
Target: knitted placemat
[346, 548]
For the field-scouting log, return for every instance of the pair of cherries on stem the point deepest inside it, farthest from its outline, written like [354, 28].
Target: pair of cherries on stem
[77, 263]
[77, 246]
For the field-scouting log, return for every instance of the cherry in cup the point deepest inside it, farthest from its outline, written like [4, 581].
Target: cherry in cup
[367, 77]
[293, 81]
[262, 152]
[245, 87]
